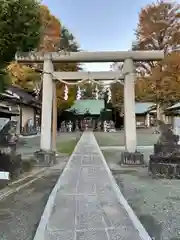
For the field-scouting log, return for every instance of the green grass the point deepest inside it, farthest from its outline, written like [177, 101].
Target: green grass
[67, 147]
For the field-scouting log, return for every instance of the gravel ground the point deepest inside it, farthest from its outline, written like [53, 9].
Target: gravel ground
[21, 211]
[30, 145]
[144, 138]
[155, 201]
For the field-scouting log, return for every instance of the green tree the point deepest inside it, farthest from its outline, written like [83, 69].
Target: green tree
[117, 99]
[67, 43]
[20, 30]
[24, 76]
[159, 29]
[54, 37]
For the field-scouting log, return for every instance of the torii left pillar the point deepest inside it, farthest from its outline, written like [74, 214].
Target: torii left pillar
[46, 155]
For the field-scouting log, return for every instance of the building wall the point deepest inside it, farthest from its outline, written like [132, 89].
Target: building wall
[17, 118]
[169, 119]
[176, 125]
[140, 118]
[27, 113]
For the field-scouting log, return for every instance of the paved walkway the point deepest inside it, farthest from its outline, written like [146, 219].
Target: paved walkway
[86, 203]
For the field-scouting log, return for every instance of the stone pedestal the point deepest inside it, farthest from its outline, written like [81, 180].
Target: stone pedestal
[164, 166]
[45, 158]
[135, 158]
[165, 162]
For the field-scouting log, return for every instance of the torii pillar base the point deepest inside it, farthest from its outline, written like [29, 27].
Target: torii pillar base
[45, 158]
[132, 159]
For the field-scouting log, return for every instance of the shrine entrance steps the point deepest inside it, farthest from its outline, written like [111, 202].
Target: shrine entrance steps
[86, 203]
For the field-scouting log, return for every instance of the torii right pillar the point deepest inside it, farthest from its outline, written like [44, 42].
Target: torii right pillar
[129, 106]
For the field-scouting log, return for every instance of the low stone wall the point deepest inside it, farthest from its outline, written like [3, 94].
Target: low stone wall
[164, 167]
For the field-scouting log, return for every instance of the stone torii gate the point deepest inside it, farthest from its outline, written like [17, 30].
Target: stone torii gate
[128, 75]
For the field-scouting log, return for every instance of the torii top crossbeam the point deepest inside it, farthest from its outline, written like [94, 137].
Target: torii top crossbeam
[108, 56]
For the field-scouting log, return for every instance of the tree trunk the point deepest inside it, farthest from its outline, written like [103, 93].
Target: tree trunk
[160, 112]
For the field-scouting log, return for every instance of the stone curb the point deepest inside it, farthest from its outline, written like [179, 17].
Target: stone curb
[40, 232]
[123, 147]
[137, 224]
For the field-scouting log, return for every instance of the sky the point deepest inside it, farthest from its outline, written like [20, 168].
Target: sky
[99, 25]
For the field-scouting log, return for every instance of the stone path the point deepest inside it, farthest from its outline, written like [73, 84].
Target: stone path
[86, 204]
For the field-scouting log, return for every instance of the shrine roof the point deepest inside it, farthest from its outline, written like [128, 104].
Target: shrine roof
[17, 94]
[143, 107]
[92, 105]
[95, 106]
[175, 106]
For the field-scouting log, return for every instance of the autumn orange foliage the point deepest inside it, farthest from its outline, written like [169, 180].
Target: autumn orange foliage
[159, 29]
[51, 31]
